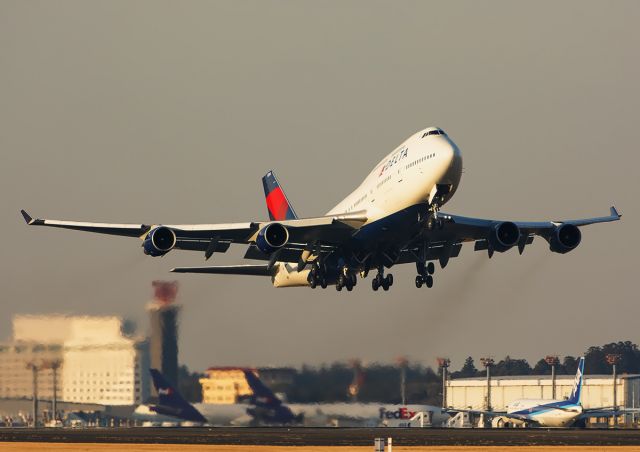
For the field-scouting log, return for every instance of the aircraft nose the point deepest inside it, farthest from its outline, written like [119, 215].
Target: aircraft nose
[454, 153]
[455, 156]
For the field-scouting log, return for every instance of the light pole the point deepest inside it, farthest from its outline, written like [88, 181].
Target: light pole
[34, 370]
[553, 361]
[487, 362]
[54, 366]
[612, 360]
[443, 363]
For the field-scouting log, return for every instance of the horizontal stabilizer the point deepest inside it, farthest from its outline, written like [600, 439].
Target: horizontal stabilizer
[253, 270]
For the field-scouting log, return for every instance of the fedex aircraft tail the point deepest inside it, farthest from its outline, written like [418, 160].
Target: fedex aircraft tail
[277, 202]
[170, 402]
[262, 395]
[576, 392]
[269, 409]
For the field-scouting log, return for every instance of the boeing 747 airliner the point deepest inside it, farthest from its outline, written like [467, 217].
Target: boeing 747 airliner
[393, 217]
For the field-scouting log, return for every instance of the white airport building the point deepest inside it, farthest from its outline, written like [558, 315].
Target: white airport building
[97, 363]
[597, 390]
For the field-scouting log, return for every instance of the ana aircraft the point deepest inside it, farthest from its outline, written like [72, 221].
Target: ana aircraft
[554, 413]
[393, 217]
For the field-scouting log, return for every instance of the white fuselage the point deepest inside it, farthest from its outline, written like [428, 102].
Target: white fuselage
[313, 415]
[407, 176]
[410, 175]
[538, 410]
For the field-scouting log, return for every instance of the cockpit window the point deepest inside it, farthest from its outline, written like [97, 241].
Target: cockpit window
[434, 132]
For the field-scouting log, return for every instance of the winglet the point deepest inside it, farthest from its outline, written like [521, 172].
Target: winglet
[26, 216]
[614, 212]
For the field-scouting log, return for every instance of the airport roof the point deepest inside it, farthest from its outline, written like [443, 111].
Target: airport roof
[543, 377]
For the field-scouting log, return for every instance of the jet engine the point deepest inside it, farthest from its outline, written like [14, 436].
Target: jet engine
[159, 241]
[272, 237]
[503, 236]
[565, 238]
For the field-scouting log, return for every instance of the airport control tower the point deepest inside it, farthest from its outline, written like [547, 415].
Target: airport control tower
[163, 342]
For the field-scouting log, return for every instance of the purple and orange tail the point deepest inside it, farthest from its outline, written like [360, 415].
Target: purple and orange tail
[279, 206]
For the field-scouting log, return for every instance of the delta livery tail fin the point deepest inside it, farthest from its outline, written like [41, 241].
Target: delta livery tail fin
[170, 402]
[277, 202]
[576, 392]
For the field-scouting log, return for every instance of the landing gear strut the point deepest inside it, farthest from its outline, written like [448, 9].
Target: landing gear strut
[381, 281]
[433, 222]
[425, 274]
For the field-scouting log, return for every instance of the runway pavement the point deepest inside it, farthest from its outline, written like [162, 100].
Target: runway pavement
[328, 436]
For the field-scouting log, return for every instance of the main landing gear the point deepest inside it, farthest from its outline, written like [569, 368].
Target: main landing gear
[317, 277]
[381, 281]
[425, 274]
[346, 279]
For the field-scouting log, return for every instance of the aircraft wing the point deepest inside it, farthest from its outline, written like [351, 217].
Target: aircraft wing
[486, 413]
[457, 228]
[474, 228]
[492, 414]
[607, 412]
[330, 230]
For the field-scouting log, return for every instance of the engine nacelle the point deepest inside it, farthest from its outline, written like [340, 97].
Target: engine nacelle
[504, 236]
[159, 241]
[565, 238]
[272, 237]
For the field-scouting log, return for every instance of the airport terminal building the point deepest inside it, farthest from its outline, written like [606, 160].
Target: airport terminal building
[95, 363]
[597, 391]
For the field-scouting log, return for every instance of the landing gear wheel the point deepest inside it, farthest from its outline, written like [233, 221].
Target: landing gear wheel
[349, 286]
[323, 283]
[419, 281]
[338, 286]
[431, 268]
[389, 279]
[429, 281]
[375, 284]
[385, 285]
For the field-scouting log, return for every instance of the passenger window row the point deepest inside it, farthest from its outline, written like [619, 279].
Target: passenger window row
[420, 160]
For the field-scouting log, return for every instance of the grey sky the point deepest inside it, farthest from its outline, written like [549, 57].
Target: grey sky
[172, 111]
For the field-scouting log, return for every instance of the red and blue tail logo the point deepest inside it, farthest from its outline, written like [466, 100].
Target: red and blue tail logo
[279, 206]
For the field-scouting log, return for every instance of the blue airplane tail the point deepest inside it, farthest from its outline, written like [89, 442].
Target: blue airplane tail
[576, 392]
[170, 402]
[269, 409]
[262, 395]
